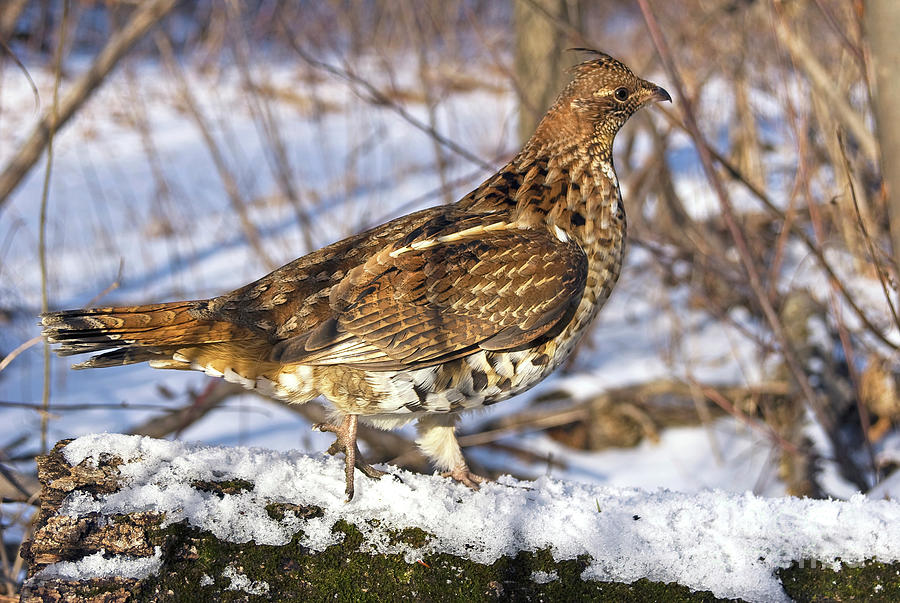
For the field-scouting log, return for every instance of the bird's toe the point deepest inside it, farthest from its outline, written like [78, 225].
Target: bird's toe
[463, 475]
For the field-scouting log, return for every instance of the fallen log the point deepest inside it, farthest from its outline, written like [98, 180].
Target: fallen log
[129, 518]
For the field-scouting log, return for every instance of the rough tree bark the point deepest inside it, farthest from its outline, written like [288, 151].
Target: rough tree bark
[290, 572]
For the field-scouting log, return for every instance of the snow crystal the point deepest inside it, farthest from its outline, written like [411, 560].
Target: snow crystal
[206, 580]
[541, 577]
[100, 566]
[240, 581]
[726, 543]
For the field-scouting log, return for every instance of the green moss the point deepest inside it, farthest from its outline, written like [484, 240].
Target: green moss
[294, 573]
[815, 581]
[277, 511]
[414, 537]
[221, 488]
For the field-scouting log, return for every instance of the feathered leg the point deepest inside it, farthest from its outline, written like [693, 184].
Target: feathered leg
[437, 439]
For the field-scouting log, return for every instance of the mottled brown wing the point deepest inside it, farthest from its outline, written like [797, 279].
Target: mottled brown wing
[472, 285]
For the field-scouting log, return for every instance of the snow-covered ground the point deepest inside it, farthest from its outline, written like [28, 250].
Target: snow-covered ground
[729, 544]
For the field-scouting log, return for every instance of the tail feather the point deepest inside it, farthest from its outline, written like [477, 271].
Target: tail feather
[122, 356]
[168, 336]
[132, 333]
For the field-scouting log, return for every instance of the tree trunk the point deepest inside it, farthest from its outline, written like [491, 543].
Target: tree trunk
[191, 564]
[541, 57]
[882, 22]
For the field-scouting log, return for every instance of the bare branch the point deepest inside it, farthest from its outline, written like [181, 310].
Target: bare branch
[146, 16]
[823, 83]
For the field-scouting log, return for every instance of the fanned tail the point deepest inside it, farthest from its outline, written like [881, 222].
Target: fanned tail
[132, 333]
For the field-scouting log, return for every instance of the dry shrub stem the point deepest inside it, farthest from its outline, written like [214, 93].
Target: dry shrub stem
[268, 128]
[232, 190]
[870, 245]
[797, 230]
[18, 350]
[848, 465]
[882, 279]
[24, 70]
[45, 196]
[823, 83]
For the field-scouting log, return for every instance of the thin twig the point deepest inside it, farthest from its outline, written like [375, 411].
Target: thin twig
[19, 349]
[533, 421]
[26, 490]
[56, 408]
[823, 83]
[796, 228]
[24, 70]
[734, 411]
[853, 47]
[870, 245]
[865, 422]
[216, 392]
[268, 128]
[431, 103]
[382, 99]
[251, 232]
[42, 237]
[112, 286]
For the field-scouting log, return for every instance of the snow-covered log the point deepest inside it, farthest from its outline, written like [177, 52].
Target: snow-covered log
[129, 518]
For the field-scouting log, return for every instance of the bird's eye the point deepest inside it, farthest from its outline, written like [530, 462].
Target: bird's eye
[621, 94]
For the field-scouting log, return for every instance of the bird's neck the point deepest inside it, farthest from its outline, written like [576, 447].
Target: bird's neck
[575, 145]
[570, 183]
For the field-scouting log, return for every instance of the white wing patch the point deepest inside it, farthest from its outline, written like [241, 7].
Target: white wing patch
[454, 236]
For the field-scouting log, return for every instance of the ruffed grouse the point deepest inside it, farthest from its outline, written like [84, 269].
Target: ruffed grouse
[436, 312]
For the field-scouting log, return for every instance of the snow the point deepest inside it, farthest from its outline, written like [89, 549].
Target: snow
[240, 581]
[99, 565]
[727, 543]
[542, 577]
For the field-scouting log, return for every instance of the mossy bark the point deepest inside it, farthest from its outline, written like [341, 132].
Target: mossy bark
[196, 566]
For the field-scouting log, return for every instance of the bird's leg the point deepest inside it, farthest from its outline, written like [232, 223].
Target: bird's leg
[345, 442]
[437, 439]
[464, 475]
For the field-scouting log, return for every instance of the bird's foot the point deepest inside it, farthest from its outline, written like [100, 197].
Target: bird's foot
[462, 474]
[345, 441]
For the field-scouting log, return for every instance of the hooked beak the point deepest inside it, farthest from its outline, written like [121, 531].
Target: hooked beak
[659, 94]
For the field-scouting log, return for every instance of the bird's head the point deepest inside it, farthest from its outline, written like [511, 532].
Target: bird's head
[606, 92]
[598, 101]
